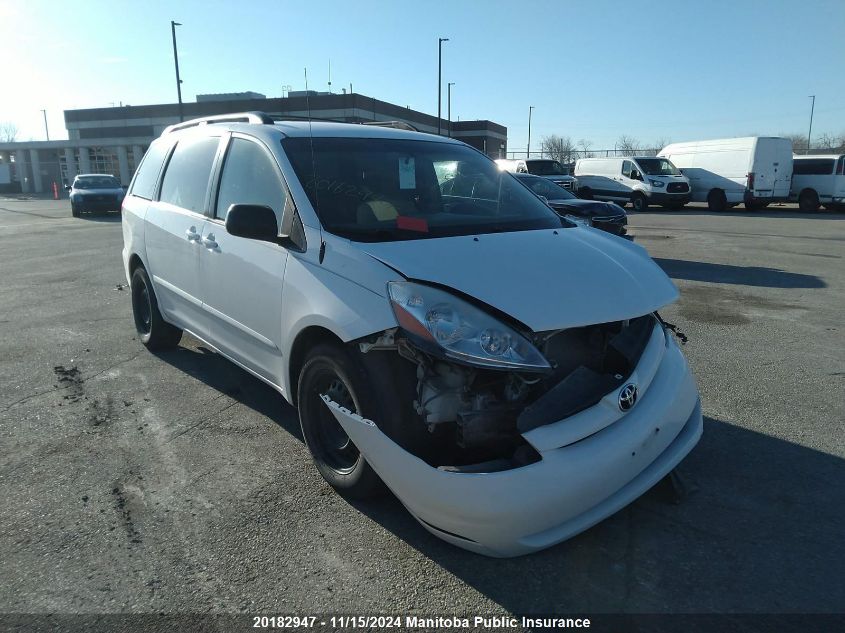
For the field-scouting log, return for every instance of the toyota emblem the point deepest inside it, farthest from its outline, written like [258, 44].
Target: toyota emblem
[628, 397]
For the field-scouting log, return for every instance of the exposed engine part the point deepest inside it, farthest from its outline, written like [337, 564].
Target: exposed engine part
[385, 341]
[488, 427]
[441, 391]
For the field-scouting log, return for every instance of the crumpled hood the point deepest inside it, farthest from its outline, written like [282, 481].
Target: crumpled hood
[546, 279]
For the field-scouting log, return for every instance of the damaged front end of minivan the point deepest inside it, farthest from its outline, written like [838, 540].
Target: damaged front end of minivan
[512, 440]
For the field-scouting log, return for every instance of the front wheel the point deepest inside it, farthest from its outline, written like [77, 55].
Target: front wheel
[332, 371]
[155, 333]
[639, 202]
[74, 210]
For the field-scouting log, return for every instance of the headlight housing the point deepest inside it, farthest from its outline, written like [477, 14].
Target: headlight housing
[657, 183]
[575, 219]
[459, 330]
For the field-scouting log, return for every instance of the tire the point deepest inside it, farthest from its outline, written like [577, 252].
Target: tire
[153, 331]
[331, 369]
[716, 200]
[639, 202]
[808, 201]
[74, 211]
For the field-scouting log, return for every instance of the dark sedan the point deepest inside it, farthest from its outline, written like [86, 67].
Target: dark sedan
[606, 216]
[95, 192]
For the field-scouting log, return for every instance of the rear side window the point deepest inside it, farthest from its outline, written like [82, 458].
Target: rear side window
[813, 166]
[144, 184]
[185, 181]
[250, 176]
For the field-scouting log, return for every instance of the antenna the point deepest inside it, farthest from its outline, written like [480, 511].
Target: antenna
[330, 75]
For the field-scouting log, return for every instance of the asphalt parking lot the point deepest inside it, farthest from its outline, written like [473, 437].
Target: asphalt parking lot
[176, 482]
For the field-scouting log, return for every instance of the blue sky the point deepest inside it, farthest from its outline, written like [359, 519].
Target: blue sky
[674, 70]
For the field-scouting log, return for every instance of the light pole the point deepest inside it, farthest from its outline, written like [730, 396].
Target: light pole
[810, 133]
[528, 150]
[449, 105]
[46, 129]
[173, 26]
[440, 41]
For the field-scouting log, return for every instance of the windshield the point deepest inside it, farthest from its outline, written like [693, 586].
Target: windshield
[545, 187]
[379, 190]
[658, 167]
[546, 168]
[96, 182]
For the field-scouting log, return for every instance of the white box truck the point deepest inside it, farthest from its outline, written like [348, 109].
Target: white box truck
[756, 170]
[817, 180]
[640, 180]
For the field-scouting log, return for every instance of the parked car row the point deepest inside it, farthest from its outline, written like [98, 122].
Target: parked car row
[755, 170]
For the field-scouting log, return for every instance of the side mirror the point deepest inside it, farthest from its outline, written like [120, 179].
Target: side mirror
[252, 221]
[68, 187]
[635, 175]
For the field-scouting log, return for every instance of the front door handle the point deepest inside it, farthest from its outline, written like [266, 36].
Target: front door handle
[192, 234]
[208, 241]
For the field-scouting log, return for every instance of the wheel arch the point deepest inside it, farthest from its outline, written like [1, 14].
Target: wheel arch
[305, 340]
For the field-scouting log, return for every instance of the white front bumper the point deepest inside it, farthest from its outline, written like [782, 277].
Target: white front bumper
[570, 489]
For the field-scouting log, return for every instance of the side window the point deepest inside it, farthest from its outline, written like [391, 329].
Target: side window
[627, 166]
[250, 176]
[144, 183]
[840, 167]
[186, 177]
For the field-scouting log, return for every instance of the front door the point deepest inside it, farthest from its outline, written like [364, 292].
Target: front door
[242, 278]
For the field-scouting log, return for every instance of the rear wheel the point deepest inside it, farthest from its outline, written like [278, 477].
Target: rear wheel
[331, 370]
[716, 200]
[808, 201]
[155, 333]
[639, 202]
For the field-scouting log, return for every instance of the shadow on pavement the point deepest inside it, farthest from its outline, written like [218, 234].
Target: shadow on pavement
[226, 377]
[739, 275]
[763, 534]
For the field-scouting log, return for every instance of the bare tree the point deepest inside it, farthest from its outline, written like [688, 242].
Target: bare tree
[585, 146]
[560, 148]
[826, 141]
[8, 132]
[799, 141]
[627, 145]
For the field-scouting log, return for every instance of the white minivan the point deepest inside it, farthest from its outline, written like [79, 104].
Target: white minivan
[756, 170]
[818, 179]
[640, 180]
[441, 331]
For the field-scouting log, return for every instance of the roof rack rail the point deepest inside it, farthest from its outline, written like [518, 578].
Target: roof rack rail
[259, 118]
[398, 125]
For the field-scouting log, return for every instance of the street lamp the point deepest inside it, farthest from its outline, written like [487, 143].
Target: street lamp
[528, 149]
[449, 105]
[440, 41]
[46, 129]
[173, 26]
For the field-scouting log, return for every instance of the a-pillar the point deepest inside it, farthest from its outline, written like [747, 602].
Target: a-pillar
[71, 164]
[36, 171]
[123, 160]
[20, 170]
[84, 160]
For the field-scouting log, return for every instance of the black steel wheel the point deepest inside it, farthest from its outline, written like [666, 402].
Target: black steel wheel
[153, 331]
[331, 370]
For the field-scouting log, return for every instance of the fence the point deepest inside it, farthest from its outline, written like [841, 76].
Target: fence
[588, 153]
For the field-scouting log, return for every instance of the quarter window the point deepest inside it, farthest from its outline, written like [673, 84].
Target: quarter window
[250, 176]
[185, 181]
[813, 166]
[147, 175]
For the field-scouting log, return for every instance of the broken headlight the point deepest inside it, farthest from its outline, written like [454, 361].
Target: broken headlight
[459, 330]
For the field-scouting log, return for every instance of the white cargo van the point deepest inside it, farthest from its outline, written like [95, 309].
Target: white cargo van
[642, 180]
[818, 180]
[756, 170]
